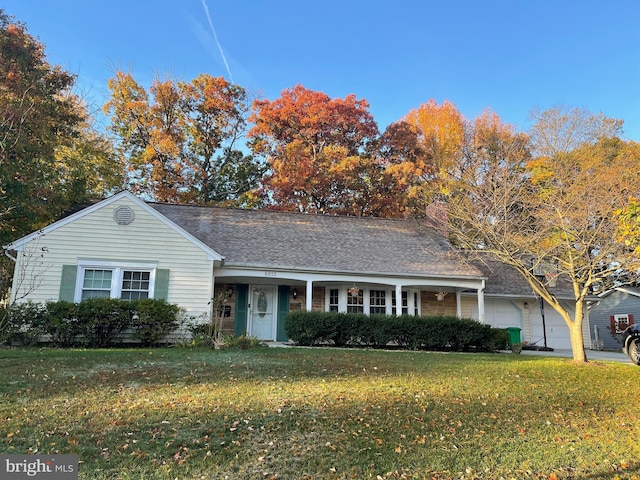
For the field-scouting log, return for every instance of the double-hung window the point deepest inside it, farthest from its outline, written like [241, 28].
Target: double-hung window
[405, 302]
[96, 283]
[334, 299]
[109, 280]
[355, 302]
[377, 301]
[135, 284]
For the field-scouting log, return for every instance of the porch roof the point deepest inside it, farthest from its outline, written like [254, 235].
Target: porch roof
[295, 241]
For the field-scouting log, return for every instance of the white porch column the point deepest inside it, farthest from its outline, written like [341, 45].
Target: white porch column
[481, 316]
[309, 296]
[458, 304]
[398, 300]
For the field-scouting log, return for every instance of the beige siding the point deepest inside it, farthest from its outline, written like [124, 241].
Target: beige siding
[467, 305]
[96, 236]
[431, 306]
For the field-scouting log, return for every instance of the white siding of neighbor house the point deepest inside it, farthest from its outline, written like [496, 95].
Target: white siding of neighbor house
[96, 236]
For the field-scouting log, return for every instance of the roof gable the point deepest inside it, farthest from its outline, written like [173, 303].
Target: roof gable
[20, 243]
[633, 291]
[505, 280]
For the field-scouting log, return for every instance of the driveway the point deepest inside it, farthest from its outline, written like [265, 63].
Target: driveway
[609, 356]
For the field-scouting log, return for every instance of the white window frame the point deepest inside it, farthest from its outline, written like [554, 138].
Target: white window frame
[328, 300]
[410, 298]
[343, 292]
[621, 318]
[385, 298]
[117, 269]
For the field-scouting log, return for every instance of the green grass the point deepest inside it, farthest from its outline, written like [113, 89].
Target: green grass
[290, 413]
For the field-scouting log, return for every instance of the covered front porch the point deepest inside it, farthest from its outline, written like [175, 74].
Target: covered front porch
[260, 300]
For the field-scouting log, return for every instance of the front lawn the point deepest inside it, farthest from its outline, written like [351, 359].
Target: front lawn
[294, 413]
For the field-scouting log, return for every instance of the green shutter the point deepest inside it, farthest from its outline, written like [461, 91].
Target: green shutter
[161, 289]
[68, 283]
[283, 310]
[242, 309]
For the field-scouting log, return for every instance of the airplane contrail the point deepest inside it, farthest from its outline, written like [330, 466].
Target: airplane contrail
[215, 37]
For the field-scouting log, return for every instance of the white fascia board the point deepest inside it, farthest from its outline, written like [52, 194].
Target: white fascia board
[628, 291]
[273, 274]
[19, 244]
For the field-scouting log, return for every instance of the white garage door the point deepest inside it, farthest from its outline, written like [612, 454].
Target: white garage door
[505, 313]
[556, 328]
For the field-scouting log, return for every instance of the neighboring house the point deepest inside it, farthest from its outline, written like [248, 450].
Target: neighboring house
[614, 311]
[269, 263]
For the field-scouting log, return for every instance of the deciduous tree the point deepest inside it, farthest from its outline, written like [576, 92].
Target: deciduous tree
[320, 153]
[50, 156]
[555, 210]
[35, 112]
[441, 131]
[179, 138]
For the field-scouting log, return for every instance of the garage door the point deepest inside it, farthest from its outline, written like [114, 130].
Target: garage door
[500, 313]
[556, 328]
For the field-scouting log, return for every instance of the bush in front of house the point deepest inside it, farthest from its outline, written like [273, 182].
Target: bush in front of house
[311, 328]
[499, 338]
[20, 323]
[152, 320]
[103, 320]
[424, 333]
[60, 322]
[95, 322]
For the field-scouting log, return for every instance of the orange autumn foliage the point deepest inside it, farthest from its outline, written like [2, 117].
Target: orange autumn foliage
[321, 154]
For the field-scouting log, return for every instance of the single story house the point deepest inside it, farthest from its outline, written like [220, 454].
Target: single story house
[611, 313]
[269, 263]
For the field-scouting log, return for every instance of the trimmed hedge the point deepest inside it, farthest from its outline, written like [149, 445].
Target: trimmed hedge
[377, 331]
[19, 325]
[96, 322]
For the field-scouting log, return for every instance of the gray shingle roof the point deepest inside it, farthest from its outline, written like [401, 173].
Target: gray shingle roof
[503, 279]
[269, 239]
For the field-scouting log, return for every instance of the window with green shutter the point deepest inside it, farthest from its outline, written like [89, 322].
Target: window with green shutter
[108, 279]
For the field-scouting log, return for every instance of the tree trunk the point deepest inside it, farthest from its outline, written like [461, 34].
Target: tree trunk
[577, 341]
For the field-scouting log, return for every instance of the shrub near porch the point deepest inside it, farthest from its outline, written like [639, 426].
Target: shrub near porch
[427, 333]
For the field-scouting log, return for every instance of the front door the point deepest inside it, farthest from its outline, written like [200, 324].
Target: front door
[262, 312]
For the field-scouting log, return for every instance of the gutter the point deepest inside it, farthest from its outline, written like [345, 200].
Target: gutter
[6, 252]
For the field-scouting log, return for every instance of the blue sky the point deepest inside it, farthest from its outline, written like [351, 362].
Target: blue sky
[508, 55]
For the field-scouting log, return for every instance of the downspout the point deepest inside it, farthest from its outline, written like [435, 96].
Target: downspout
[13, 280]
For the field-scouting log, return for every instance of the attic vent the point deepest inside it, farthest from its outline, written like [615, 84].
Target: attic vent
[123, 215]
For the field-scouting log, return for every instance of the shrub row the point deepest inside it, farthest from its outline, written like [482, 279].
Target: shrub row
[428, 333]
[96, 322]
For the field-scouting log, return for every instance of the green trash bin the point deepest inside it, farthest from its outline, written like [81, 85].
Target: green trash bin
[514, 335]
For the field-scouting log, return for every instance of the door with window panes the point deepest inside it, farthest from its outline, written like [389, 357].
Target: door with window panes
[262, 317]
